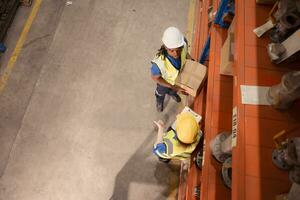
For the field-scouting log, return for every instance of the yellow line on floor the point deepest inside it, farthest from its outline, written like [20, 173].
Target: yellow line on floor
[191, 21]
[11, 63]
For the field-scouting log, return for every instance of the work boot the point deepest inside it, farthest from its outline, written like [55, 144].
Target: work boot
[164, 160]
[159, 107]
[176, 97]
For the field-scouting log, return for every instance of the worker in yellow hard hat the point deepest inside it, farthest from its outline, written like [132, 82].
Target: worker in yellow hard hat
[179, 143]
[167, 64]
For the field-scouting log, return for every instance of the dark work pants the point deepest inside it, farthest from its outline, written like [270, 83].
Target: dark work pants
[161, 92]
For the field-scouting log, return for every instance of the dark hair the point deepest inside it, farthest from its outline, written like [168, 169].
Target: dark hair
[162, 51]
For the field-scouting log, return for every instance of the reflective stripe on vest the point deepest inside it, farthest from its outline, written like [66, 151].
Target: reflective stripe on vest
[168, 72]
[176, 149]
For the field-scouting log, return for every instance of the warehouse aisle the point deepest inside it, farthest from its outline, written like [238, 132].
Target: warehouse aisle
[85, 130]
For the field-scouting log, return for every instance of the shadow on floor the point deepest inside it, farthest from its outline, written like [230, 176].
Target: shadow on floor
[139, 169]
[143, 167]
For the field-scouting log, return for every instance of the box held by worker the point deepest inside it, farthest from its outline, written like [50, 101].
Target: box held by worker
[192, 77]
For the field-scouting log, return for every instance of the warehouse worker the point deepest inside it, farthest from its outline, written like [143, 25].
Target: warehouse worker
[167, 65]
[180, 143]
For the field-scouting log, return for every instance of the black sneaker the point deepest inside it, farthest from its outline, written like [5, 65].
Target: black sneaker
[176, 97]
[159, 107]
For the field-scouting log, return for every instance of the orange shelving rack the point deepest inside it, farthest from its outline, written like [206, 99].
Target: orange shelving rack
[253, 174]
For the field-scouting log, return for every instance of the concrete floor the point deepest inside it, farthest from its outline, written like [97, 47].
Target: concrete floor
[77, 111]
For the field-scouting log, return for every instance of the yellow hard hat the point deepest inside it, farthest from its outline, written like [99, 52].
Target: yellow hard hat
[187, 128]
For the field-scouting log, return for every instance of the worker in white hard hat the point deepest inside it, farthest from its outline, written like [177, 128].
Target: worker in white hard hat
[167, 64]
[180, 143]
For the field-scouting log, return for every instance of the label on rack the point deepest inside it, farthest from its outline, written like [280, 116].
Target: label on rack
[234, 126]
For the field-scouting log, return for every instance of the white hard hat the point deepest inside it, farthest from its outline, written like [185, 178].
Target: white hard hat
[173, 38]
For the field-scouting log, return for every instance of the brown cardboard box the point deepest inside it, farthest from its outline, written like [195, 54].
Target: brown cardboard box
[231, 28]
[227, 56]
[227, 52]
[192, 77]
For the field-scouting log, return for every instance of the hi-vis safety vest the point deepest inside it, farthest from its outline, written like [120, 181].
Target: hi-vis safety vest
[168, 72]
[177, 150]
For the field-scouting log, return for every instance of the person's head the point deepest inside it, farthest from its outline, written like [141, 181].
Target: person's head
[175, 53]
[173, 42]
[187, 128]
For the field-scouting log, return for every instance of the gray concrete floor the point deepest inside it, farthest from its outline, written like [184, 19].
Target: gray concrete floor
[76, 114]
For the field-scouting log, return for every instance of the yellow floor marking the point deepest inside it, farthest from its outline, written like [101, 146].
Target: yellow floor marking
[191, 21]
[11, 63]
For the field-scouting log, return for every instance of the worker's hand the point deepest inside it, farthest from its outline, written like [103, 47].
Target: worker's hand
[159, 123]
[185, 93]
[177, 88]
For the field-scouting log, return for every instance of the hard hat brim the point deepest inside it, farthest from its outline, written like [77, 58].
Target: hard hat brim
[174, 46]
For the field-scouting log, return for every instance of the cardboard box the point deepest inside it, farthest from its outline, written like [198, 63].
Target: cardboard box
[227, 52]
[231, 28]
[227, 56]
[192, 77]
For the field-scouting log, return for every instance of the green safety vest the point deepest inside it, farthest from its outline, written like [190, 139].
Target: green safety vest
[176, 149]
[168, 72]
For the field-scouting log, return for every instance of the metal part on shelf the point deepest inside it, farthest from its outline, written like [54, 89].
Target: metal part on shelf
[278, 158]
[197, 192]
[199, 158]
[294, 192]
[294, 175]
[283, 95]
[276, 50]
[287, 19]
[287, 50]
[227, 172]
[287, 157]
[221, 146]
